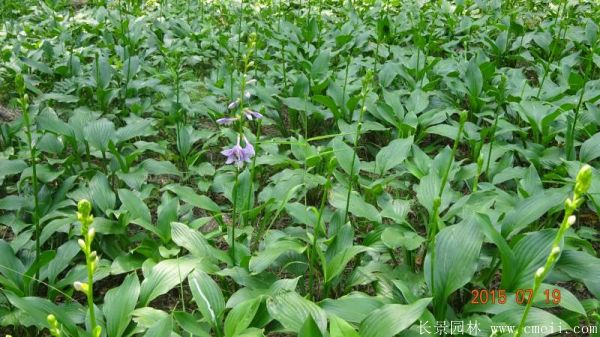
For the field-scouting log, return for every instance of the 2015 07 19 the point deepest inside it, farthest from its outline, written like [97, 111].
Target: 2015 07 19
[522, 296]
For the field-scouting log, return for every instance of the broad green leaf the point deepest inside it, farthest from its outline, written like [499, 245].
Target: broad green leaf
[162, 328]
[188, 195]
[195, 243]
[583, 267]
[394, 237]
[530, 254]
[392, 319]
[393, 154]
[164, 276]
[474, 79]
[292, 310]
[119, 304]
[340, 328]
[310, 329]
[135, 206]
[590, 149]
[208, 296]
[358, 206]
[353, 307]
[240, 317]
[338, 263]
[266, 257]
[344, 154]
[456, 257]
[101, 193]
[537, 317]
[158, 167]
[531, 209]
[99, 133]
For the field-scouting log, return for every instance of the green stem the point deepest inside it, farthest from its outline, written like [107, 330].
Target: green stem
[355, 146]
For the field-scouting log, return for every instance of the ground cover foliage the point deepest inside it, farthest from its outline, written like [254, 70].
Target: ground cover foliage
[298, 168]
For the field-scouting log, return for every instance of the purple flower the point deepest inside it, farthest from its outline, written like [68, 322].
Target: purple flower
[248, 149]
[252, 114]
[237, 154]
[233, 104]
[226, 120]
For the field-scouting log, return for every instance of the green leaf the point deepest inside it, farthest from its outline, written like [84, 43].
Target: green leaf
[135, 206]
[393, 154]
[99, 133]
[456, 257]
[344, 154]
[590, 149]
[119, 304]
[10, 266]
[240, 317]
[292, 310]
[583, 267]
[353, 307]
[392, 319]
[338, 263]
[530, 209]
[11, 167]
[162, 328]
[157, 167]
[165, 276]
[266, 257]
[530, 254]
[208, 296]
[537, 317]
[320, 66]
[188, 195]
[101, 193]
[474, 79]
[394, 237]
[310, 329]
[358, 206]
[166, 213]
[195, 243]
[340, 328]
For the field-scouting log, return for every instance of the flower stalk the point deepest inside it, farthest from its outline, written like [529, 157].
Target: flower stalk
[24, 103]
[582, 185]
[365, 91]
[84, 216]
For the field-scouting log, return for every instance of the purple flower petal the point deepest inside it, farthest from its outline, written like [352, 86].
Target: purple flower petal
[226, 120]
[233, 105]
[252, 115]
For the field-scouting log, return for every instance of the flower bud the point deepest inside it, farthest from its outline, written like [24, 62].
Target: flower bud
[97, 331]
[84, 207]
[570, 205]
[555, 251]
[81, 244]
[571, 220]
[463, 116]
[233, 105]
[437, 202]
[52, 320]
[583, 180]
[80, 286]
[91, 233]
[539, 273]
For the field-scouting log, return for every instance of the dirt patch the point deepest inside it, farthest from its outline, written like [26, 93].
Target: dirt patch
[8, 115]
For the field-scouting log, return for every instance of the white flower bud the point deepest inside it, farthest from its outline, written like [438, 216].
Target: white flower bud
[91, 233]
[540, 272]
[571, 220]
[79, 286]
[81, 244]
[555, 251]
